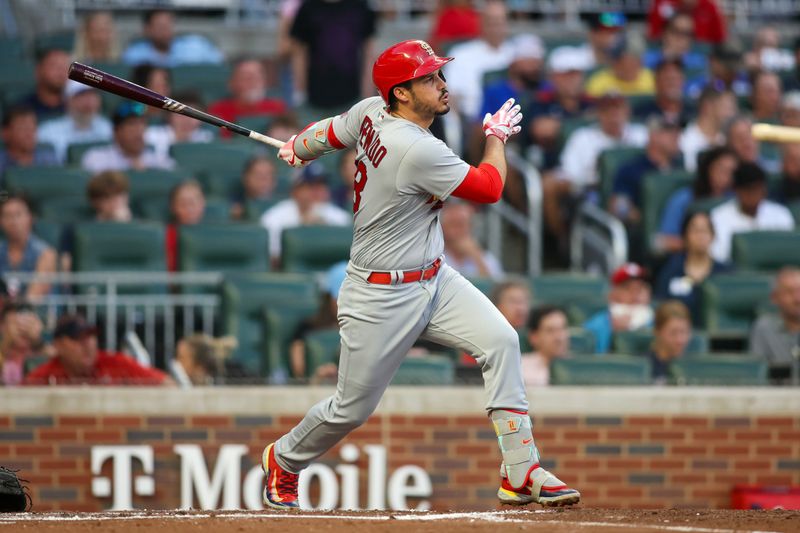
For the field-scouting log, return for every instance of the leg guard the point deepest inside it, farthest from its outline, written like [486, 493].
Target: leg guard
[515, 437]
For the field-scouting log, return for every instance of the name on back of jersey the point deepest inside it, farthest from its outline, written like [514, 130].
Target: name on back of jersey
[371, 143]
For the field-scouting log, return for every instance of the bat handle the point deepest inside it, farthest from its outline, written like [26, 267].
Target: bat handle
[266, 139]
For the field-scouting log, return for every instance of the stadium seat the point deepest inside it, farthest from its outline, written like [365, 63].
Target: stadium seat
[44, 183]
[223, 248]
[62, 40]
[794, 207]
[258, 123]
[216, 164]
[211, 81]
[580, 295]
[581, 341]
[112, 246]
[524, 345]
[720, 370]
[65, 209]
[314, 248]
[639, 342]
[601, 370]
[322, 347]
[153, 183]
[49, 232]
[157, 208]
[17, 74]
[428, 370]
[76, 151]
[766, 250]
[253, 209]
[261, 310]
[656, 190]
[13, 49]
[608, 163]
[731, 302]
[706, 204]
[483, 284]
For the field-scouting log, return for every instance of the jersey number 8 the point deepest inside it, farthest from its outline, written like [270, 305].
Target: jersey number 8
[358, 185]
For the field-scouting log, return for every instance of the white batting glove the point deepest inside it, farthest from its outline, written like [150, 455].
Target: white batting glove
[286, 153]
[504, 123]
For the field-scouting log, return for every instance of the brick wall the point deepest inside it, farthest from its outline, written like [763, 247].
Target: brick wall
[615, 460]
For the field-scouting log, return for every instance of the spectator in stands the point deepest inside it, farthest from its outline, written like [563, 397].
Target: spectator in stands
[578, 172]
[342, 193]
[97, 40]
[179, 128]
[776, 337]
[83, 122]
[714, 109]
[20, 340]
[19, 141]
[792, 78]
[453, 21]
[156, 79]
[683, 272]
[790, 182]
[78, 360]
[201, 360]
[512, 297]
[129, 150]
[47, 99]
[625, 74]
[309, 204]
[766, 97]
[714, 180]
[248, 89]
[283, 126]
[709, 21]
[668, 100]
[160, 46]
[108, 194]
[766, 52]
[604, 29]
[491, 51]
[187, 205]
[661, 155]
[676, 45]
[258, 185]
[628, 306]
[725, 72]
[564, 99]
[790, 109]
[748, 211]
[22, 251]
[739, 134]
[332, 68]
[462, 250]
[324, 319]
[673, 331]
[548, 334]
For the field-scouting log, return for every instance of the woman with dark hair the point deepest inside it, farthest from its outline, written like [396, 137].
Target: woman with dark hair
[714, 180]
[685, 271]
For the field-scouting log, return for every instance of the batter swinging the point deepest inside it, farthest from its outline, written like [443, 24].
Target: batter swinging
[397, 287]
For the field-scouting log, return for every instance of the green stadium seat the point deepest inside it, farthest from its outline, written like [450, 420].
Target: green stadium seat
[524, 345]
[13, 49]
[65, 209]
[322, 347]
[581, 341]
[720, 370]
[153, 183]
[731, 302]
[211, 81]
[601, 370]
[608, 163]
[428, 370]
[657, 187]
[766, 250]
[19, 73]
[63, 40]
[44, 183]
[484, 285]
[50, 232]
[314, 248]
[794, 207]
[216, 164]
[580, 295]
[157, 208]
[253, 209]
[258, 123]
[261, 311]
[706, 204]
[639, 342]
[223, 248]
[76, 151]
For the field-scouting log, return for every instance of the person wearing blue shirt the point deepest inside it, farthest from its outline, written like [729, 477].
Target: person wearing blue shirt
[161, 47]
[676, 44]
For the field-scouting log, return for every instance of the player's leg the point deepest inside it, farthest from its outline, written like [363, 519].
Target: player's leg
[465, 318]
[378, 325]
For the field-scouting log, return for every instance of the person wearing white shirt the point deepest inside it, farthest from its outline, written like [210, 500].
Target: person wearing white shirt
[461, 250]
[748, 211]
[714, 109]
[309, 205]
[129, 151]
[178, 129]
[83, 122]
[492, 51]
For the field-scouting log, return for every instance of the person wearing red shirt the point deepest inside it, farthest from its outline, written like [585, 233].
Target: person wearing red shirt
[248, 88]
[709, 21]
[78, 360]
[455, 20]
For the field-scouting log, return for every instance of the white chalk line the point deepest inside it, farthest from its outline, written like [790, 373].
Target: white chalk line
[487, 516]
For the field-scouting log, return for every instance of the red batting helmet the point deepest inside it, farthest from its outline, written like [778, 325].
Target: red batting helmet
[402, 62]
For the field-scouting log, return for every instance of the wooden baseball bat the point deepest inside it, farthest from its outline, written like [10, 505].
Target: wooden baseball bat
[778, 134]
[113, 84]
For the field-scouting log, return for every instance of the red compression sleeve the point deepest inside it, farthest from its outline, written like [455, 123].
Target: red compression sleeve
[482, 184]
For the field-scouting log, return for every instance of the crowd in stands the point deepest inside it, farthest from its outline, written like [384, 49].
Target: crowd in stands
[651, 123]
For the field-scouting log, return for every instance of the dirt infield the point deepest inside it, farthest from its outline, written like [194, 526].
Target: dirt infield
[552, 521]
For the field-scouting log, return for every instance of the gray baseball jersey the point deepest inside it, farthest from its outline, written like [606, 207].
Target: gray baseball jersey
[403, 174]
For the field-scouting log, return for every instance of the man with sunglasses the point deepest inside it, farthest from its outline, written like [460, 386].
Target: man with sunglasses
[397, 287]
[129, 150]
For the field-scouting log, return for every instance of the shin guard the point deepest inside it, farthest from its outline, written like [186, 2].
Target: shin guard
[515, 436]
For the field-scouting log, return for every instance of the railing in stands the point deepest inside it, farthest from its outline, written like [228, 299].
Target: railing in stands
[598, 243]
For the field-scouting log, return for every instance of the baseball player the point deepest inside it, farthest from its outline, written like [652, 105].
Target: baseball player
[398, 288]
